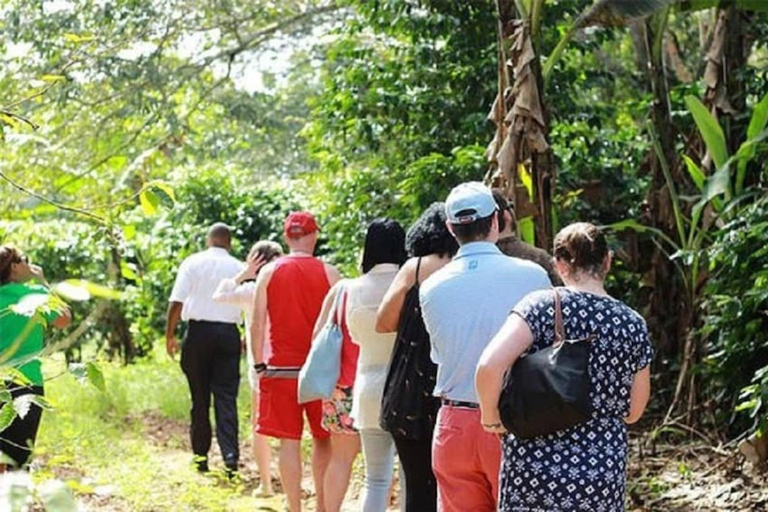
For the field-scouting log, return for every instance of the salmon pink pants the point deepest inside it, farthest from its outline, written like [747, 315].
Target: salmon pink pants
[466, 462]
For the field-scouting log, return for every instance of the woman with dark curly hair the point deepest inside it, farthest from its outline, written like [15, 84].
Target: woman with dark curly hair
[408, 407]
[22, 338]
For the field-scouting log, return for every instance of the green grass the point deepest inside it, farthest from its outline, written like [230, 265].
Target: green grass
[99, 443]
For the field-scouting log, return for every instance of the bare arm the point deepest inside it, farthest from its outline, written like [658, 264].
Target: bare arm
[388, 315]
[231, 291]
[259, 322]
[171, 321]
[639, 395]
[332, 273]
[322, 318]
[512, 340]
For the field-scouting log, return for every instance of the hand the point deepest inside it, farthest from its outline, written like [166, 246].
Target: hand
[252, 266]
[491, 423]
[36, 272]
[338, 394]
[31, 272]
[171, 346]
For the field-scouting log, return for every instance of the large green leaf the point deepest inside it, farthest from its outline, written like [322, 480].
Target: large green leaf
[710, 129]
[526, 228]
[88, 372]
[149, 202]
[747, 151]
[695, 172]
[633, 225]
[717, 184]
[7, 415]
[759, 116]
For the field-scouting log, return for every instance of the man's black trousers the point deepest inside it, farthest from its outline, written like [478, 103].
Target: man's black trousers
[210, 358]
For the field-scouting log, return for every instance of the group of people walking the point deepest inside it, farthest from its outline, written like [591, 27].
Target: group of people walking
[437, 317]
[431, 326]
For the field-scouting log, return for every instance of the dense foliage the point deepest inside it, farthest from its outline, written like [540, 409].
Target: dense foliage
[735, 323]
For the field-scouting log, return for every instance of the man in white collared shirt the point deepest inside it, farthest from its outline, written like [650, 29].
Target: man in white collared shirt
[210, 354]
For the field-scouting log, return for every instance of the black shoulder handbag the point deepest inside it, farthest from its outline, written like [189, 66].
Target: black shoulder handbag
[548, 390]
[408, 409]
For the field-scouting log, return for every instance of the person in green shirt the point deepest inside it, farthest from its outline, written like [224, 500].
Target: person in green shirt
[23, 285]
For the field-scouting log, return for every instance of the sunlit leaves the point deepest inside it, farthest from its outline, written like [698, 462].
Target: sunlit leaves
[81, 290]
[7, 415]
[149, 201]
[88, 373]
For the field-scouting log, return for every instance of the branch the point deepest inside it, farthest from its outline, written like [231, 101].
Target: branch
[19, 117]
[52, 202]
[260, 35]
[39, 93]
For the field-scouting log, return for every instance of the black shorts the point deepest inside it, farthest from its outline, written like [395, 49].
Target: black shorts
[17, 441]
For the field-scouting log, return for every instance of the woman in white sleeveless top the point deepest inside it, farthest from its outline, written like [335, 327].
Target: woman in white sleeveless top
[383, 255]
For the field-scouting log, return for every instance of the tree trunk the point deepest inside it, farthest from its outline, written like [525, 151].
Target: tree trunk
[119, 337]
[726, 58]
[521, 126]
[665, 311]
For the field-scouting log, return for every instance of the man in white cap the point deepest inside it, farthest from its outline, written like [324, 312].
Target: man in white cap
[464, 304]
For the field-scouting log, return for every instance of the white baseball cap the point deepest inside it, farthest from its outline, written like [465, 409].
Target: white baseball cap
[469, 202]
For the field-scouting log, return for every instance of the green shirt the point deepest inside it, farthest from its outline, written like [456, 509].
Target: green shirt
[12, 326]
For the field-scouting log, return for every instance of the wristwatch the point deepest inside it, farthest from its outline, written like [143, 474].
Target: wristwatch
[260, 368]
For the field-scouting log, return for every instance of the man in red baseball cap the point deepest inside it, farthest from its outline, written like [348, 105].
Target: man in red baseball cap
[299, 224]
[289, 295]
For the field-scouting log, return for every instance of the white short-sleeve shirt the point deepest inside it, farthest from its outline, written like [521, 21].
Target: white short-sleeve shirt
[199, 276]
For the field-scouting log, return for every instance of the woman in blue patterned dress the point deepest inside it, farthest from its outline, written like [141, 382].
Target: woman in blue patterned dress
[582, 468]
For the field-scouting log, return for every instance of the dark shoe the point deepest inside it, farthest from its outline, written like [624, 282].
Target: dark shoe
[201, 463]
[230, 469]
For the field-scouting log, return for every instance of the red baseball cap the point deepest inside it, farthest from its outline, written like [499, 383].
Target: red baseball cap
[299, 224]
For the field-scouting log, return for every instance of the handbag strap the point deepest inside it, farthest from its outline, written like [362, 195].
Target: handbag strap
[337, 305]
[559, 328]
[418, 266]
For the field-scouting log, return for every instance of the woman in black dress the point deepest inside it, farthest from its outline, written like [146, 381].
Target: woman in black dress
[408, 407]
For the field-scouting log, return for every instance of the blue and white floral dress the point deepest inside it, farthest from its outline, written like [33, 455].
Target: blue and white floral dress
[582, 468]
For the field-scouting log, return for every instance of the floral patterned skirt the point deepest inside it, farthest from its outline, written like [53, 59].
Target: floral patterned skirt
[336, 419]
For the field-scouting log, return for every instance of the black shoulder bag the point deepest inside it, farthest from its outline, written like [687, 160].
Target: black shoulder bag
[408, 409]
[548, 390]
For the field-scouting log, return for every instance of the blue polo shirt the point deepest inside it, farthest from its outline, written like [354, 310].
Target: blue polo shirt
[464, 305]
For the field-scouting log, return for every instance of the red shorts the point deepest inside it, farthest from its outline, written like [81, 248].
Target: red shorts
[280, 413]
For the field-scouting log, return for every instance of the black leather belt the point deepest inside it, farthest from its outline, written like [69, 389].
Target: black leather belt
[458, 403]
[211, 322]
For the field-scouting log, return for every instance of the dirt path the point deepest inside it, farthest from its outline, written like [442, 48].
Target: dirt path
[166, 456]
[693, 477]
[673, 478]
